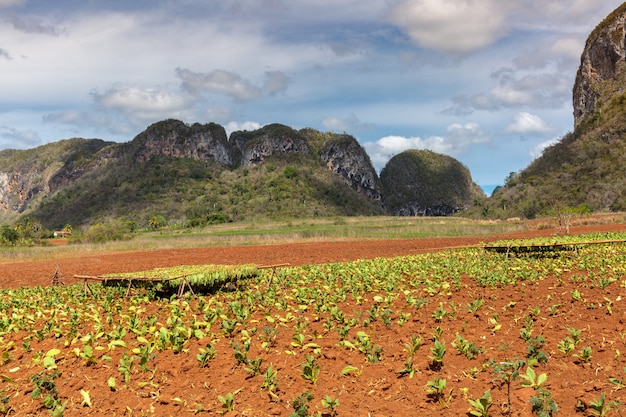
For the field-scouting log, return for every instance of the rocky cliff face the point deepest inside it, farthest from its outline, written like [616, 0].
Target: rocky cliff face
[602, 69]
[350, 162]
[173, 138]
[585, 168]
[27, 176]
[275, 139]
[44, 170]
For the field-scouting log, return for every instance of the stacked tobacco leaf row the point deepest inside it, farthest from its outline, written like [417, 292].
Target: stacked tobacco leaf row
[201, 278]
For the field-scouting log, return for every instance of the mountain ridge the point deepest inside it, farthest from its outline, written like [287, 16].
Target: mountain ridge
[191, 173]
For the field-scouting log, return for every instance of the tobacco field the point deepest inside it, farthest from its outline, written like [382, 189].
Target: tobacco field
[461, 332]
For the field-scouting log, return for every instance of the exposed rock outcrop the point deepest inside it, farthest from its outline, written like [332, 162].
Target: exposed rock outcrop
[27, 176]
[275, 139]
[42, 171]
[173, 138]
[602, 69]
[346, 158]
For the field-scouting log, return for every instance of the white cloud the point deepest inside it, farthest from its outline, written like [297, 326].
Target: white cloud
[568, 46]
[350, 124]
[528, 124]
[219, 82]
[218, 114]
[512, 91]
[24, 138]
[143, 102]
[231, 127]
[124, 109]
[232, 84]
[11, 3]
[538, 150]
[553, 12]
[452, 26]
[33, 25]
[276, 82]
[458, 138]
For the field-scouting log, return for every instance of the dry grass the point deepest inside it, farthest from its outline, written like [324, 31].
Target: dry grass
[266, 233]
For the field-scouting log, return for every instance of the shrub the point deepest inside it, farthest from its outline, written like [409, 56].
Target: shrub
[104, 232]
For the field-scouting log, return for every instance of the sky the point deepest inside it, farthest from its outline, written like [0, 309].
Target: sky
[488, 82]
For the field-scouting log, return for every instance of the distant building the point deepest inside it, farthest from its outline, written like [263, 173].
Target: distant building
[61, 233]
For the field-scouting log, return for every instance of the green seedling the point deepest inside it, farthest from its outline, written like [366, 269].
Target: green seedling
[87, 354]
[206, 354]
[270, 382]
[408, 368]
[438, 332]
[331, 404]
[542, 404]
[436, 390]
[494, 323]
[481, 406]
[440, 313]
[553, 309]
[601, 407]
[413, 346]
[475, 305]
[531, 379]
[310, 369]
[566, 346]
[575, 334]
[403, 318]
[469, 349]
[618, 384]
[585, 354]
[254, 366]
[300, 405]
[126, 366]
[438, 352]
[228, 401]
[534, 353]
[508, 372]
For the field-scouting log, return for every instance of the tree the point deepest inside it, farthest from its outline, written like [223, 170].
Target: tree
[565, 214]
[156, 222]
[9, 235]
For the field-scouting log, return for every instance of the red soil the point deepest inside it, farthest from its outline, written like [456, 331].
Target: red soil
[376, 390]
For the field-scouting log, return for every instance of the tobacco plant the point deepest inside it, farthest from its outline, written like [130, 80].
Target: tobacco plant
[438, 352]
[310, 369]
[481, 406]
[436, 390]
[331, 404]
[205, 354]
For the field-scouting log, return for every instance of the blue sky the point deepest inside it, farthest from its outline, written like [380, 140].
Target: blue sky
[488, 82]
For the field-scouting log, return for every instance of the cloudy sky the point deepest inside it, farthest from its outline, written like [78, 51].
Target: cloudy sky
[488, 82]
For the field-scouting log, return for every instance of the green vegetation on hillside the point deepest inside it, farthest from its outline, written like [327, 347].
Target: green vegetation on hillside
[197, 192]
[425, 182]
[585, 168]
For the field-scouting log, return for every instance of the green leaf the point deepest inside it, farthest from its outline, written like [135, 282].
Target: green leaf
[348, 369]
[112, 383]
[541, 379]
[52, 353]
[49, 362]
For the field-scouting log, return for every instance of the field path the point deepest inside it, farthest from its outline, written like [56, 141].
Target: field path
[26, 273]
